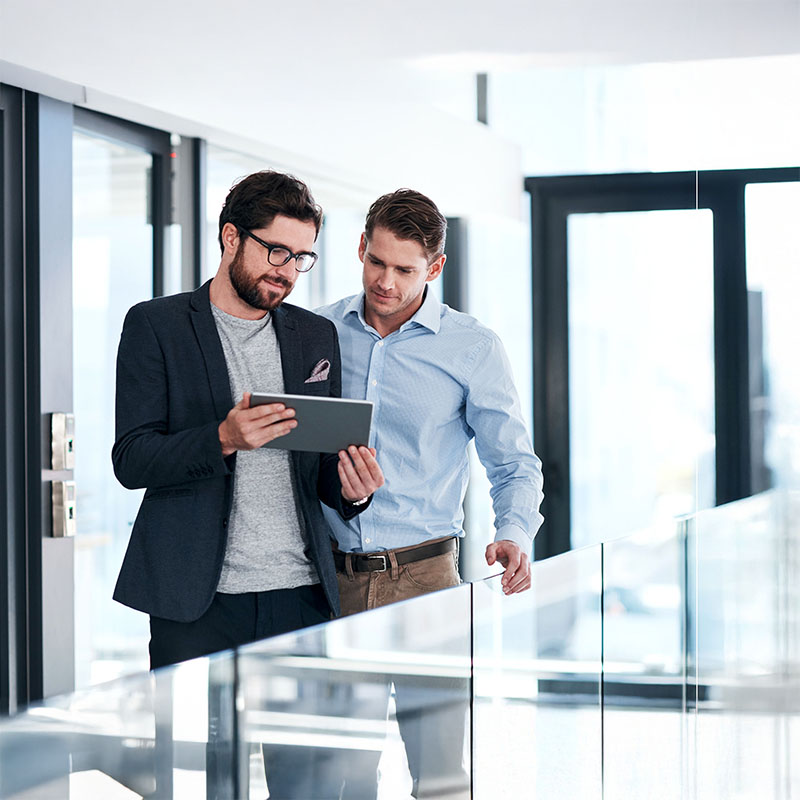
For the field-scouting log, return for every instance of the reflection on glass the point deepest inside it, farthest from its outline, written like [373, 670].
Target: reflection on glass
[641, 369]
[98, 743]
[315, 703]
[643, 665]
[112, 270]
[662, 665]
[536, 710]
[772, 212]
[744, 630]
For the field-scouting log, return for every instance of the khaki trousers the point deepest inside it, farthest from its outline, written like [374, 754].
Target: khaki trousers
[432, 719]
[360, 591]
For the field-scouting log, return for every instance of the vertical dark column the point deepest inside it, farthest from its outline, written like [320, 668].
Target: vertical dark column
[455, 278]
[455, 293]
[14, 590]
[160, 214]
[188, 211]
[731, 349]
[551, 367]
[482, 97]
[199, 184]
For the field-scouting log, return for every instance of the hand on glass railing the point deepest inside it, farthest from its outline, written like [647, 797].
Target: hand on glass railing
[517, 577]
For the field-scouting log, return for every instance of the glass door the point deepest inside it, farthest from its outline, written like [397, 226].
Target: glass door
[115, 265]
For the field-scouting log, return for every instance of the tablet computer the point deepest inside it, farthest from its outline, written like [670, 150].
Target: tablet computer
[324, 424]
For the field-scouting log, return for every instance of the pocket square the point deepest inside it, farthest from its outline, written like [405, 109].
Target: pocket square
[320, 372]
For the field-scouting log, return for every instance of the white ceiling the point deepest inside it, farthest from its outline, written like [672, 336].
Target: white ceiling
[367, 88]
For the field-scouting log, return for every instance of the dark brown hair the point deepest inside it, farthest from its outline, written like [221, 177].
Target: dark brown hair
[253, 202]
[409, 215]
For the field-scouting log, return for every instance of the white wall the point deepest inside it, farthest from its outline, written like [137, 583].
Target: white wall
[371, 94]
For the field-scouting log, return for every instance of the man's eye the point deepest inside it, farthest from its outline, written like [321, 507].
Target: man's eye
[404, 271]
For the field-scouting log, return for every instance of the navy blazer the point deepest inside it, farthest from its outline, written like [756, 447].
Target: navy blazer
[172, 393]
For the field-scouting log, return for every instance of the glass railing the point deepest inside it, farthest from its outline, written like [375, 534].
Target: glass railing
[662, 664]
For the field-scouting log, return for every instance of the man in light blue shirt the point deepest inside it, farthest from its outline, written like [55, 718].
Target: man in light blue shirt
[437, 378]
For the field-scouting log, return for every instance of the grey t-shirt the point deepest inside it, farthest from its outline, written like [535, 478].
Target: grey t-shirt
[266, 547]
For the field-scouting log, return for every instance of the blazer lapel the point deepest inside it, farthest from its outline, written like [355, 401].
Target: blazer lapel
[291, 347]
[206, 331]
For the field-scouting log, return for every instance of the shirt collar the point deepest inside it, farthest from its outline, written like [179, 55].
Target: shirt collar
[428, 315]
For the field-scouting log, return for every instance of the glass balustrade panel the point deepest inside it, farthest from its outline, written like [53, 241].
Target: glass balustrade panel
[363, 701]
[644, 695]
[743, 627]
[537, 663]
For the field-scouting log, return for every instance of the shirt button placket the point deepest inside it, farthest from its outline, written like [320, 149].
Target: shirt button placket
[374, 373]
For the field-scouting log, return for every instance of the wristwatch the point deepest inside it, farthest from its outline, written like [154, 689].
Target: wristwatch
[359, 502]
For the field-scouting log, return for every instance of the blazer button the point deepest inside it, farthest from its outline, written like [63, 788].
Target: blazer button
[225, 523]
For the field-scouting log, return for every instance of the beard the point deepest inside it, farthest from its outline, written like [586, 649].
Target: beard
[250, 289]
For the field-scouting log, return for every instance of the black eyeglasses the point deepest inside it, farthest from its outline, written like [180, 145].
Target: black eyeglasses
[278, 254]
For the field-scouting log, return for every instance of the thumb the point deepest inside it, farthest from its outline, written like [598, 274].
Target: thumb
[490, 556]
[245, 401]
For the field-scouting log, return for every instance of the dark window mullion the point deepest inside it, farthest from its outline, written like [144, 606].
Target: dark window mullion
[20, 639]
[731, 351]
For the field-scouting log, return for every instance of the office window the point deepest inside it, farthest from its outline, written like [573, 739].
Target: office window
[641, 363]
[772, 212]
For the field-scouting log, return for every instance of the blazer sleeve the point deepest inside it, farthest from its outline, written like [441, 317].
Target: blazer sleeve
[146, 453]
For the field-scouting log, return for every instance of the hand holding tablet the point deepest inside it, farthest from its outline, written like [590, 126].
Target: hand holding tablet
[324, 424]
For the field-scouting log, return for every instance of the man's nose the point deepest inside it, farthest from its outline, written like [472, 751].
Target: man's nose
[288, 270]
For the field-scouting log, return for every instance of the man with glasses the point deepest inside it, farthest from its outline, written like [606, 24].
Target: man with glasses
[437, 378]
[230, 544]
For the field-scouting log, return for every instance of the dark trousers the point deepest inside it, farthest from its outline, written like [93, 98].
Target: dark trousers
[236, 619]
[233, 620]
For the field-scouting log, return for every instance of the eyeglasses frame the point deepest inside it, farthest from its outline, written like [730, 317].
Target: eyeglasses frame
[270, 247]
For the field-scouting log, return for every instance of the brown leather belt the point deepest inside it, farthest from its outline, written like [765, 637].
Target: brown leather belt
[379, 562]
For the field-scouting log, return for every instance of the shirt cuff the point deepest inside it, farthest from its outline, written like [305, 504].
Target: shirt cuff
[517, 535]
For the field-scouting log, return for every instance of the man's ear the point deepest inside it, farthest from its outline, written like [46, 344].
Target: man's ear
[230, 238]
[362, 247]
[435, 269]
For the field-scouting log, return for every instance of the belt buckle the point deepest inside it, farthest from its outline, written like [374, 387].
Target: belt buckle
[385, 563]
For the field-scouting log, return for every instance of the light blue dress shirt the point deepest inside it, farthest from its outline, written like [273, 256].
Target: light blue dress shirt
[438, 381]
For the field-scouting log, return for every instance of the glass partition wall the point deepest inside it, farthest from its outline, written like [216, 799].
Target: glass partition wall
[112, 270]
[660, 327]
[665, 664]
